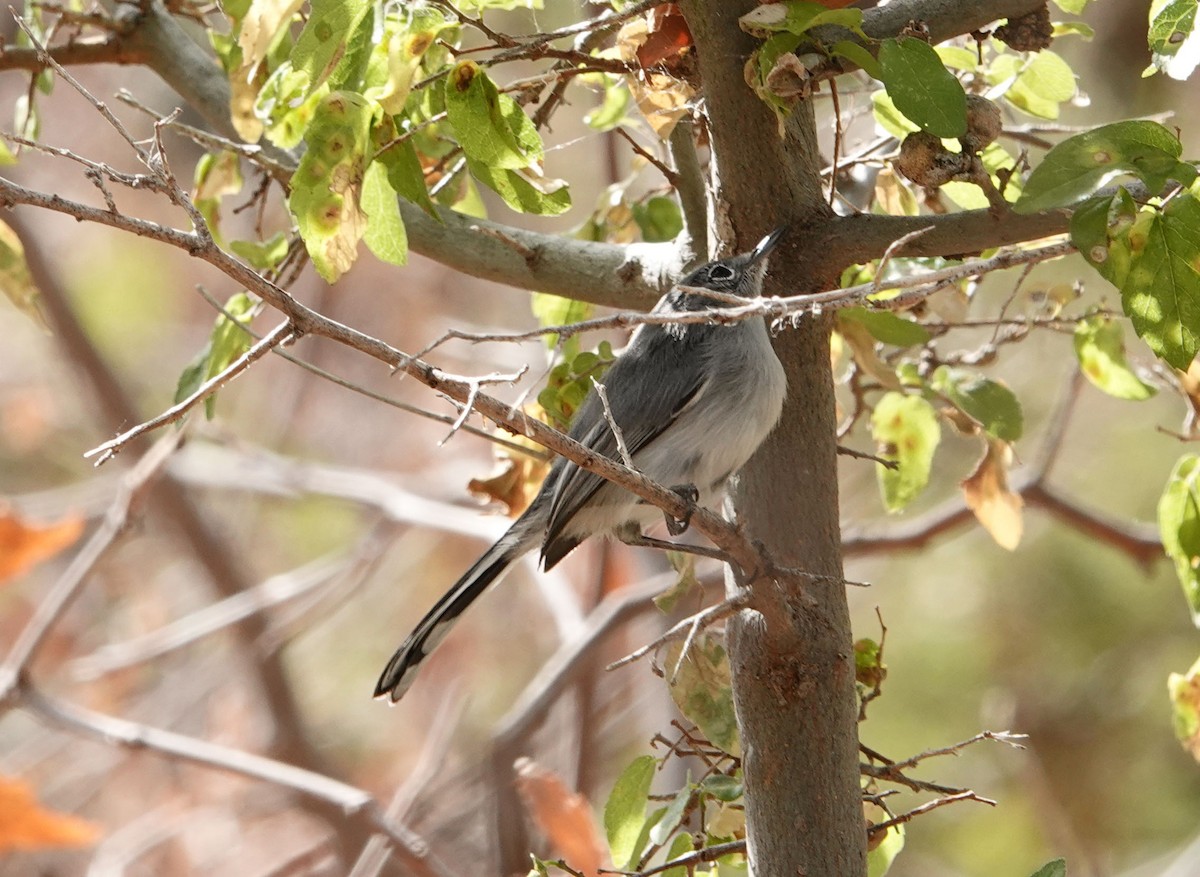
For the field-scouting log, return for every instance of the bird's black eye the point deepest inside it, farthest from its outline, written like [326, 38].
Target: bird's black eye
[720, 272]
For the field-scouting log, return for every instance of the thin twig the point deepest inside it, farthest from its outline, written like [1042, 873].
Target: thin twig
[687, 628]
[131, 490]
[279, 335]
[612, 424]
[352, 801]
[880, 827]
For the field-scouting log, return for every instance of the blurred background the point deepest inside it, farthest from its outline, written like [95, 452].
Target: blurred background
[348, 517]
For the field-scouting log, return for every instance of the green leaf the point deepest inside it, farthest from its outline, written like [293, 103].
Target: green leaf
[1056, 868]
[613, 108]
[228, 341]
[890, 119]
[797, 17]
[663, 829]
[282, 108]
[326, 37]
[990, 404]
[881, 856]
[397, 56]
[522, 192]
[625, 811]
[262, 255]
[906, 431]
[1101, 229]
[659, 219]
[922, 88]
[687, 583]
[1184, 691]
[1179, 527]
[217, 175]
[887, 327]
[406, 176]
[16, 283]
[556, 310]
[1161, 293]
[857, 54]
[723, 787]
[1174, 47]
[491, 127]
[1100, 347]
[327, 184]
[1081, 164]
[681, 846]
[385, 235]
[703, 691]
[1039, 86]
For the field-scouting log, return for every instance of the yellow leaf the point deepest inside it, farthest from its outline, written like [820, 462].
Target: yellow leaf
[15, 280]
[25, 825]
[23, 545]
[986, 489]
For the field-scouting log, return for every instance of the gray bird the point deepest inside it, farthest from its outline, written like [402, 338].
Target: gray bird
[693, 402]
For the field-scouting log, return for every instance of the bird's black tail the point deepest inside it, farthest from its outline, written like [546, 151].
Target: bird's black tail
[401, 670]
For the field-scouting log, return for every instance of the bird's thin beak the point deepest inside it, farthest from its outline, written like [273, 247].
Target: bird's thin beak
[767, 244]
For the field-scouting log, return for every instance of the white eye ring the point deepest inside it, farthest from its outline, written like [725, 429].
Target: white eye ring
[720, 272]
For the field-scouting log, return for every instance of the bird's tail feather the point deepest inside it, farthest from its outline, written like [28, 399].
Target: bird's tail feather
[401, 670]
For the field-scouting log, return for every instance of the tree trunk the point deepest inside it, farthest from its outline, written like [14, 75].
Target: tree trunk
[792, 654]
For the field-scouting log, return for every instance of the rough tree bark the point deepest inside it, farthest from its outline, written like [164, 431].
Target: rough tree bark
[791, 655]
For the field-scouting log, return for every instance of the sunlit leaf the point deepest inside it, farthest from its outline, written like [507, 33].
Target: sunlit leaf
[262, 255]
[1184, 691]
[15, 280]
[906, 431]
[659, 218]
[663, 829]
[1179, 527]
[1100, 348]
[522, 191]
[797, 17]
[1174, 44]
[681, 846]
[1079, 165]
[989, 403]
[327, 185]
[922, 88]
[491, 127]
[886, 326]
[625, 811]
[1039, 85]
[1161, 293]
[385, 235]
[228, 341]
[882, 849]
[326, 37]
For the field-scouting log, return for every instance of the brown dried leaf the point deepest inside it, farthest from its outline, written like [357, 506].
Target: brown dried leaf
[24, 545]
[25, 825]
[986, 490]
[565, 817]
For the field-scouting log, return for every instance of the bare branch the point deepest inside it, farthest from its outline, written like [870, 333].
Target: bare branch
[279, 335]
[351, 801]
[880, 827]
[131, 490]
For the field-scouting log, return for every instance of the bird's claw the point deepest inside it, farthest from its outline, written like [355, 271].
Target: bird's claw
[690, 495]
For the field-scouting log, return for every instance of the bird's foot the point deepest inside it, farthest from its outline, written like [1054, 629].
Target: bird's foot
[690, 495]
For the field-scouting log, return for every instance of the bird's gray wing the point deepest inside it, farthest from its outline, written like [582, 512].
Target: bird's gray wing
[657, 378]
